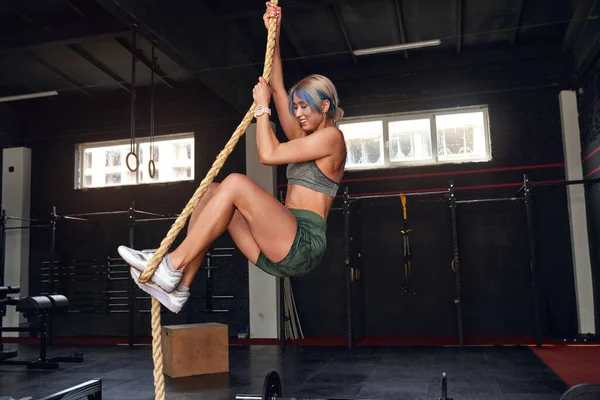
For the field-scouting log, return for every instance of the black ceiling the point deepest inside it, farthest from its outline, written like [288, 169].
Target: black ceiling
[82, 47]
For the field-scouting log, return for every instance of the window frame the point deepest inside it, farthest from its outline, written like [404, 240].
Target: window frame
[386, 118]
[80, 159]
[383, 134]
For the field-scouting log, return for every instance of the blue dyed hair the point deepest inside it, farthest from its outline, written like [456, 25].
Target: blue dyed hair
[315, 89]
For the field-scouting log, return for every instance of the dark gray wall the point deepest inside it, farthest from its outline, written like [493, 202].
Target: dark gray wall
[522, 94]
[9, 129]
[62, 123]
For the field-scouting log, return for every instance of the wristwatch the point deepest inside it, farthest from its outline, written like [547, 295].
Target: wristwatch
[260, 110]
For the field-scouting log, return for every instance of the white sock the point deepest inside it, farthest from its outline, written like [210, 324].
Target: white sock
[182, 288]
[169, 263]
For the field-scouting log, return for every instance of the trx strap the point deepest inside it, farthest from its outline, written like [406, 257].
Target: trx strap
[405, 233]
[406, 288]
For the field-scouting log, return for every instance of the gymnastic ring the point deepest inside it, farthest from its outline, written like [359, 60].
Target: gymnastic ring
[137, 161]
[151, 169]
[357, 273]
[351, 274]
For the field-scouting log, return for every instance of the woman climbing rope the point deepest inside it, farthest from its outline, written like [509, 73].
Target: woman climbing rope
[282, 240]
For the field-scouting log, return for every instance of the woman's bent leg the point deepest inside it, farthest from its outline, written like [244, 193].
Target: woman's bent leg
[271, 226]
[238, 229]
[256, 221]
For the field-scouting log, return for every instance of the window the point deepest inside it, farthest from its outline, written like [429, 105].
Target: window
[365, 143]
[103, 164]
[434, 137]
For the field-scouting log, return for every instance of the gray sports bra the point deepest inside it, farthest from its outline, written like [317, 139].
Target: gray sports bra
[309, 175]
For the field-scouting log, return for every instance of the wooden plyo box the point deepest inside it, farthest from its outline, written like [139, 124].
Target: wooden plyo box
[195, 349]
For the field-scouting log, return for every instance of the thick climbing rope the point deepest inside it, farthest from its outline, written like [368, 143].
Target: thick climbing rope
[159, 382]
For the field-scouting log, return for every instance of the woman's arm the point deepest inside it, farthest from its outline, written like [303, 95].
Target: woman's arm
[309, 147]
[320, 144]
[290, 125]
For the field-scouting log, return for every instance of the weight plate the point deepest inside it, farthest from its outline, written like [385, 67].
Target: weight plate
[583, 391]
[272, 387]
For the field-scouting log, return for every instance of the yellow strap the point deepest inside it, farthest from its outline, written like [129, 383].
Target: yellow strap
[403, 199]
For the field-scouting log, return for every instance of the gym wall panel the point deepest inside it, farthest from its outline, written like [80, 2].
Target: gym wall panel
[264, 288]
[53, 133]
[497, 301]
[9, 128]
[589, 123]
[577, 213]
[526, 138]
[9, 121]
[320, 295]
[16, 201]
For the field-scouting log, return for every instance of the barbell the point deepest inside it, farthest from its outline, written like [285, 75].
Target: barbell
[273, 390]
[583, 391]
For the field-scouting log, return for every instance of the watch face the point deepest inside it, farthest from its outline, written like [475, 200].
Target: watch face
[260, 110]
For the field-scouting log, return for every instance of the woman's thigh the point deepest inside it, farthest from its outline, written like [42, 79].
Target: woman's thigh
[238, 228]
[270, 223]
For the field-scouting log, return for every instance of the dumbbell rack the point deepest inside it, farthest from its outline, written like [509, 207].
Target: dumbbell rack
[92, 279]
[103, 285]
[108, 288]
[111, 292]
[210, 296]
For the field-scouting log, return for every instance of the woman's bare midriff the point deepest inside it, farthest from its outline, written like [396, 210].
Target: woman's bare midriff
[303, 198]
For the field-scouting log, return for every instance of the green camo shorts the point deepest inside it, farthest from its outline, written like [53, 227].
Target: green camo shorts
[307, 249]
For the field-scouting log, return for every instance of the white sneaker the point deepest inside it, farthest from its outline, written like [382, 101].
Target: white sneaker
[173, 301]
[165, 276]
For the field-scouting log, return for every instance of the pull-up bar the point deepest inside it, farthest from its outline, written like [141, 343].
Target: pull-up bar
[585, 182]
[524, 195]
[410, 194]
[491, 200]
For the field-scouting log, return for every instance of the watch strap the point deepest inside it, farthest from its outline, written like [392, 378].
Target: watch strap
[260, 110]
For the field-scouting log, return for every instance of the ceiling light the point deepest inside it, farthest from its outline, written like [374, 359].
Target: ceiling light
[28, 96]
[397, 47]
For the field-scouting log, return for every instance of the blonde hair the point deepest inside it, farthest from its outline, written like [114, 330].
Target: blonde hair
[315, 89]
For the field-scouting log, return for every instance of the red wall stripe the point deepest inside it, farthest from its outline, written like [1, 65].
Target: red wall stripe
[449, 173]
[467, 172]
[592, 172]
[591, 154]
